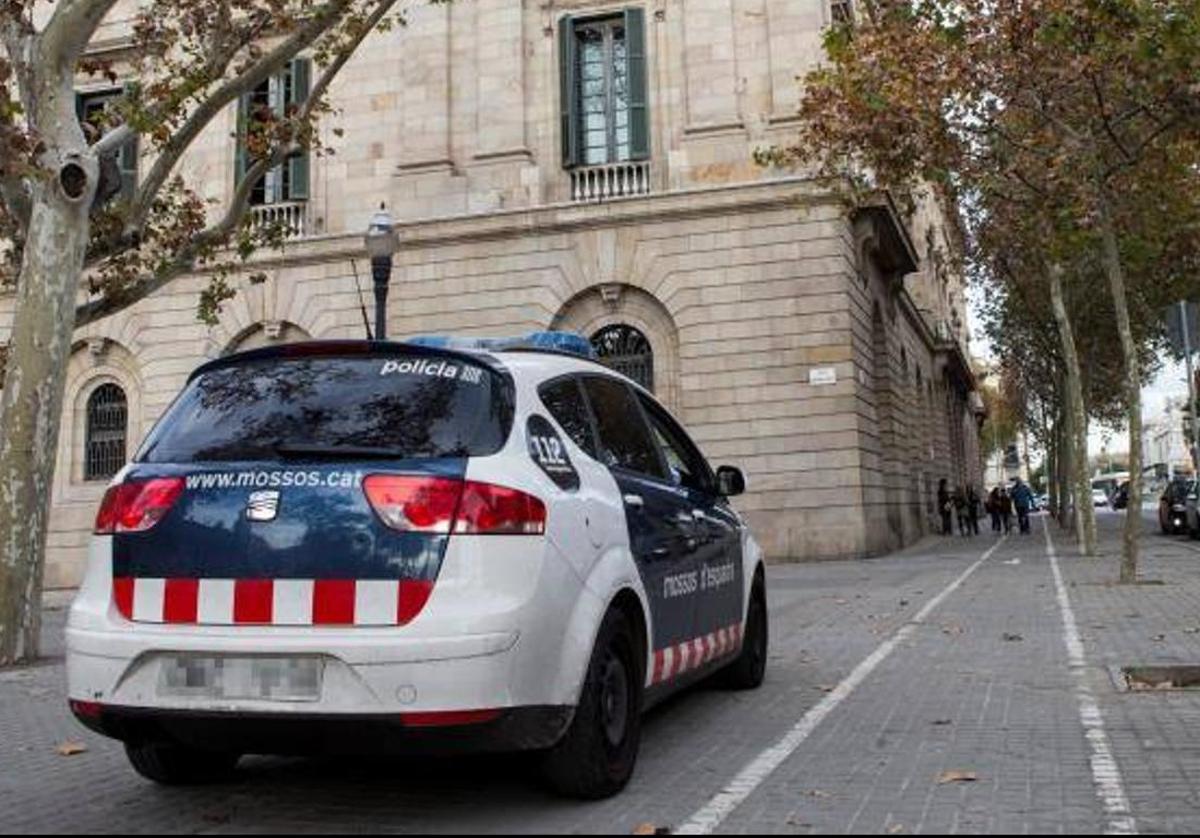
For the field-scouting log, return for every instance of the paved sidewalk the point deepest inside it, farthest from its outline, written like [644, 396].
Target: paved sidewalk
[981, 688]
[1155, 735]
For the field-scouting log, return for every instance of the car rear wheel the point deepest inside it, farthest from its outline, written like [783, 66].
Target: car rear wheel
[177, 765]
[750, 669]
[596, 756]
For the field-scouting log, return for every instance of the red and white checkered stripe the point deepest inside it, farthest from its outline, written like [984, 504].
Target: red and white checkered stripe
[673, 661]
[278, 602]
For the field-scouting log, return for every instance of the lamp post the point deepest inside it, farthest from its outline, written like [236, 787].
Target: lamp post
[382, 244]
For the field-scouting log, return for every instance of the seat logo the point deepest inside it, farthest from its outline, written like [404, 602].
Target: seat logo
[263, 506]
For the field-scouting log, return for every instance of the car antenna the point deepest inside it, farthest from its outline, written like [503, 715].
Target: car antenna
[361, 303]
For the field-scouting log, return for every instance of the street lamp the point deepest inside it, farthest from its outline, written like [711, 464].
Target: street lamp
[382, 244]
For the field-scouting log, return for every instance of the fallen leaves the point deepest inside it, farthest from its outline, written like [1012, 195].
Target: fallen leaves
[948, 777]
[651, 829]
[1013, 638]
[70, 748]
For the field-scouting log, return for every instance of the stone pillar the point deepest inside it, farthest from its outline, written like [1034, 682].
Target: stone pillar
[500, 79]
[710, 63]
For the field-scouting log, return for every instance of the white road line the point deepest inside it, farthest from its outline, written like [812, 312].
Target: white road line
[1106, 774]
[715, 811]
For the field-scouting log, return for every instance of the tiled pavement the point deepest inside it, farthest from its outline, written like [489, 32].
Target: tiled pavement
[982, 687]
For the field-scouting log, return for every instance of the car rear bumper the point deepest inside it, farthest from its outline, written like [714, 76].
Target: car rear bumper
[311, 734]
[360, 675]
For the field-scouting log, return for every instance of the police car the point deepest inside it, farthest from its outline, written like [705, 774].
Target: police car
[433, 546]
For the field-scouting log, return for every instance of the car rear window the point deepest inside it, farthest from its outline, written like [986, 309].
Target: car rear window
[404, 406]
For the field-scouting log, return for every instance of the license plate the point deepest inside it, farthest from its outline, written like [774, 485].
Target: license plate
[227, 678]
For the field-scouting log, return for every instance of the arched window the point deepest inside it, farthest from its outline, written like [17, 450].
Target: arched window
[107, 423]
[626, 350]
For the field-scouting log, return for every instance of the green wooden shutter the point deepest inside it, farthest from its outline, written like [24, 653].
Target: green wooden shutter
[243, 124]
[128, 158]
[297, 91]
[639, 115]
[569, 91]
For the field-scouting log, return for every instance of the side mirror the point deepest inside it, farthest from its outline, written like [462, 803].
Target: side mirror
[730, 482]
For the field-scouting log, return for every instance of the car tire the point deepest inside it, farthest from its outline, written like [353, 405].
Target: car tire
[177, 765]
[596, 757]
[750, 668]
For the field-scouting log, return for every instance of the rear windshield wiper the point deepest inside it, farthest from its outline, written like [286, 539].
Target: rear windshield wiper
[340, 452]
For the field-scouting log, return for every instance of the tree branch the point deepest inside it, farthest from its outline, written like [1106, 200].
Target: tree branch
[17, 35]
[171, 153]
[70, 30]
[185, 260]
[219, 233]
[1105, 120]
[15, 195]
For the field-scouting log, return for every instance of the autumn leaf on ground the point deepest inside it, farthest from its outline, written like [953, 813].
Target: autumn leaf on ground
[947, 777]
[70, 748]
[651, 829]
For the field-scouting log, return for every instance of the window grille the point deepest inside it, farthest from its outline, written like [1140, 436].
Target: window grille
[626, 350]
[107, 425]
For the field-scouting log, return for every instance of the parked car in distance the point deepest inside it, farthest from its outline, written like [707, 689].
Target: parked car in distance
[1100, 498]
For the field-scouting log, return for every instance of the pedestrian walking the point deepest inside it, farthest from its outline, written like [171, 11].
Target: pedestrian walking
[1006, 511]
[993, 508]
[973, 510]
[960, 510]
[1022, 497]
[946, 507]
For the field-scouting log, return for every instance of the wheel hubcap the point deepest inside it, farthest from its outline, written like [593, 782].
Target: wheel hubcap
[614, 698]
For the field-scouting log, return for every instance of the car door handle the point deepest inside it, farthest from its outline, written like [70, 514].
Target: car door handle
[635, 501]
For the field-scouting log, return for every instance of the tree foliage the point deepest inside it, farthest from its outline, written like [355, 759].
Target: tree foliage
[184, 64]
[1067, 129]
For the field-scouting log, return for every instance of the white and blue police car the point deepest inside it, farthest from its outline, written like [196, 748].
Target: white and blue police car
[432, 546]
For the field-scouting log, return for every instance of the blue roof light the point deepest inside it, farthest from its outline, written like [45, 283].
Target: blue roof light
[568, 342]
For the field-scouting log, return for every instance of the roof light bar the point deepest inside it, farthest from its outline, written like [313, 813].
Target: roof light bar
[551, 341]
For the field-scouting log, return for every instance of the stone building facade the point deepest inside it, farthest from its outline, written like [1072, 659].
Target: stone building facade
[585, 165]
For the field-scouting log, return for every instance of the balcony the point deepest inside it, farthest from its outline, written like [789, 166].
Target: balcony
[594, 184]
[291, 216]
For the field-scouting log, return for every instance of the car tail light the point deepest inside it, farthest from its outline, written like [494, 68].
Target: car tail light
[86, 709]
[443, 505]
[136, 506]
[414, 504]
[495, 510]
